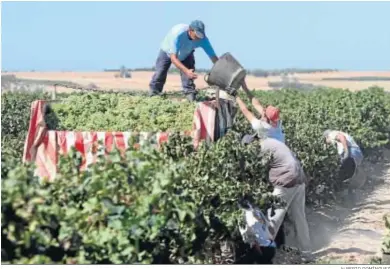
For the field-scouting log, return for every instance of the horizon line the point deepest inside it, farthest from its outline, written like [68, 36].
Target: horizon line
[150, 69]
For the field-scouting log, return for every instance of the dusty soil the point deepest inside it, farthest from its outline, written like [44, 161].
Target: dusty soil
[140, 80]
[352, 229]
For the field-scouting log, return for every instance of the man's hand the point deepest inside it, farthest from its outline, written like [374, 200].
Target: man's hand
[240, 102]
[248, 115]
[247, 91]
[190, 74]
[214, 59]
[255, 102]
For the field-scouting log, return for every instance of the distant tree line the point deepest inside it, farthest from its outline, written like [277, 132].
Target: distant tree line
[359, 79]
[253, 72]
[286, 71]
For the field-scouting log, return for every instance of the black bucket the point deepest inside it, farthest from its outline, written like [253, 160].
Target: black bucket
[347, 169]
[227, 73]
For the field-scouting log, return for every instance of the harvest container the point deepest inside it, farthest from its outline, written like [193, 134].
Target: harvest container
[44, 146]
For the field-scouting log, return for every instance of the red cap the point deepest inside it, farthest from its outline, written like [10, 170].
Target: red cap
[272, 113]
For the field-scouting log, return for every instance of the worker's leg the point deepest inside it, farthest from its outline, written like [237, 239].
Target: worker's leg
[357, 180]
[163, 63]
[286, 195]
[357, 156]
[280, 237]
[298, 216]
[187, 83]
[360, 177]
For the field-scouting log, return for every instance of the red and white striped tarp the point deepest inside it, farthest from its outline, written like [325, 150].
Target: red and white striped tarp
[203, 125]
[87, 142]
[44, 147]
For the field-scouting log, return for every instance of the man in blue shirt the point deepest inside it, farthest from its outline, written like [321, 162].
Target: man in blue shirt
[178, 48]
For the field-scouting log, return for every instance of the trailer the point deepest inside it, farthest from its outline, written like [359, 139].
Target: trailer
[44, 147]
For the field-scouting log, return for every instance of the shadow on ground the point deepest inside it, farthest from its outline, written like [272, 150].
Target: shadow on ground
[352, 228]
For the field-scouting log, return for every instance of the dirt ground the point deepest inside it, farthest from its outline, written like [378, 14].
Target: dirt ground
[352, 230]
[140, 80]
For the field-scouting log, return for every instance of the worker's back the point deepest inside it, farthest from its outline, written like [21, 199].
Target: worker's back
[285, 169]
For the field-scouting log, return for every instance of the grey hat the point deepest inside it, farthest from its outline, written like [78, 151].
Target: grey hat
[259, 134]
[326, 133]
[247, 139]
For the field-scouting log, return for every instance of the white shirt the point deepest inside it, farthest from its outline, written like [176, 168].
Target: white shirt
[270, 131]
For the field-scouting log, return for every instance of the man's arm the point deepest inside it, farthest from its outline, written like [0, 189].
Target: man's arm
[255, 102]
[258, 107]
[189, 72]
[209, 50]
[174, 48]
[248, 115]
[343, 140]
[247, 91]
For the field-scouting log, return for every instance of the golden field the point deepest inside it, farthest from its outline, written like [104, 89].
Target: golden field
[140, 79]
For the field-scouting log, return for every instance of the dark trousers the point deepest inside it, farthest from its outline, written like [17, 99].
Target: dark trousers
[163, 63]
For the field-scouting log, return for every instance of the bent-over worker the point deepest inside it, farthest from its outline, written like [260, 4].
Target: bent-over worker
[346, 148]
[346, 145]
[178, 48]
[289, 181]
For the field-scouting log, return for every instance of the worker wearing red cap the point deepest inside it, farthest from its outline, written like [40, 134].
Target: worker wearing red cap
[269, 118]
[286, 173]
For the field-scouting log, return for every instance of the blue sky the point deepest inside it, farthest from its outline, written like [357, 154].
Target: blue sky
[86, 36]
